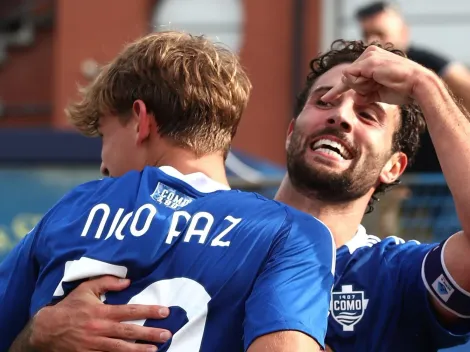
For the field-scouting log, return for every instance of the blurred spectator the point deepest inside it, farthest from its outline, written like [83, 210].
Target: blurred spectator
[381, 21]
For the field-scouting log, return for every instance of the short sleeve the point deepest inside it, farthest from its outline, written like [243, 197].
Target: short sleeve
[294, 288]
[18, 274]
[414, 299]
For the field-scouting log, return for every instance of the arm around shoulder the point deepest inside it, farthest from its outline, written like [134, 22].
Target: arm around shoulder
[17, 281]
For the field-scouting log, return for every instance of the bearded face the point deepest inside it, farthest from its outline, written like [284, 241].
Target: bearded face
[339, 151]
[319, 178]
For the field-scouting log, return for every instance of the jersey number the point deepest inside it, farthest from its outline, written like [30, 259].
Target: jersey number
[181, 292]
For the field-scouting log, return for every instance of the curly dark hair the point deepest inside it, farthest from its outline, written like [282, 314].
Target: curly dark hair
[405, 139]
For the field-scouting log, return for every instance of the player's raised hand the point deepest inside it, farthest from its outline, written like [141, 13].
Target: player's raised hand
[81, 322]
[379, 76]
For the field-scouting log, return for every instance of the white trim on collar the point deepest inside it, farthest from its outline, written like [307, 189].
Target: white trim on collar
[197, 180]
[360, 239]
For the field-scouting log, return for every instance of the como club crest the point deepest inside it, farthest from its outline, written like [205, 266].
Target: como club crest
[347, 307]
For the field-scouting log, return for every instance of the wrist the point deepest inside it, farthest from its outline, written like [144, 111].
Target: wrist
[426, 86]
[36, 338]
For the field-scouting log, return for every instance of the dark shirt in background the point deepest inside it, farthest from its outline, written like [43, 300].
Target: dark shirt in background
[426, 158]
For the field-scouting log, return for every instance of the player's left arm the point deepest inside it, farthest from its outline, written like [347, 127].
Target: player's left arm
[396, 81]
[290, 300]
[449, 127]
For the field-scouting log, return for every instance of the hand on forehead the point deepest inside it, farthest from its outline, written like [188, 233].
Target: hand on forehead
[377, 75]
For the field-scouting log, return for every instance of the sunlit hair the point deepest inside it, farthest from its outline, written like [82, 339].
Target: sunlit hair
[196, 90]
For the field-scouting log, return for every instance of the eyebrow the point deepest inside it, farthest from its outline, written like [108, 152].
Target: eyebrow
[378, 106]
[321, 89]
[318, 89]
[327, 88]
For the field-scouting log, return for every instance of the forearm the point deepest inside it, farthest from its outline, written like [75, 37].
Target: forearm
[449, 129]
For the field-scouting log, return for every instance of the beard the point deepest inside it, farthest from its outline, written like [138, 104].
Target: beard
[328, 185]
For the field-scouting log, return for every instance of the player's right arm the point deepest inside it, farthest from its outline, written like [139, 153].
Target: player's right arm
[80, 321]
[288, 307]
[18, 274]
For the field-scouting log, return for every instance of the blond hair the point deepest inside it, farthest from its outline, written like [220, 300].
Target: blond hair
[196, 90]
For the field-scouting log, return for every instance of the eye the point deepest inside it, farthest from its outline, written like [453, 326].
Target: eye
[320, 103]
[366, 115]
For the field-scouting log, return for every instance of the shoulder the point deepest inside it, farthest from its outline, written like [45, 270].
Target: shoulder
[289, 221]
[305, 222]
[393, 246]
[86, 192]
[254, 204]
[124, 185]
[298, 221]
[388, 251]
[85, 196]
[305, 229]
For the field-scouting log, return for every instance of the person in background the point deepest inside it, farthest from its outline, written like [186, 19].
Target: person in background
[383, 22]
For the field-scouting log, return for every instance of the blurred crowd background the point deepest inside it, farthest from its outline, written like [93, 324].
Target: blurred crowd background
[48, 48]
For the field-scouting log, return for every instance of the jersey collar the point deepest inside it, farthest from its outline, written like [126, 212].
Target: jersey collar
[359, 240]
[199, 181]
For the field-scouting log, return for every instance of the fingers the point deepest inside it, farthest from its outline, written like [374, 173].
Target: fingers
[131, 312]
[133, 332]
[360, 85]
[366, 99]
[117, 345]
[104, 284]
[335, 92]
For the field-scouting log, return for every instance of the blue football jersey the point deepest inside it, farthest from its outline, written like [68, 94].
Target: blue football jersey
[232, 266]
[380, 302]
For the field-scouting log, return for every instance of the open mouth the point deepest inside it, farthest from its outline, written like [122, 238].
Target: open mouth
[332, 147]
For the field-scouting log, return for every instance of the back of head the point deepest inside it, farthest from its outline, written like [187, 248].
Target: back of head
[196, 90]
[383, 22]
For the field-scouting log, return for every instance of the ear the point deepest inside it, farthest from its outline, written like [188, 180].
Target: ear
[143, 121]
[394, 168]
[290, 129]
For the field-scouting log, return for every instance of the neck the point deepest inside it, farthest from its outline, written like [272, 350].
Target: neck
[342, 219]
[186, 162]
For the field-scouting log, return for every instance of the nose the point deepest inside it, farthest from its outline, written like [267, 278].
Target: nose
[341, 118]
[104, 170]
